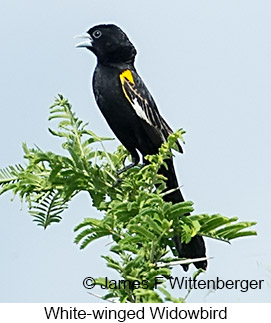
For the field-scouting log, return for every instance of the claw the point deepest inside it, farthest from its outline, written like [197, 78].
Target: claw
[117, 182]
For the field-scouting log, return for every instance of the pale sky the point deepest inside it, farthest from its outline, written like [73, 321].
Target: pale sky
[207, 64]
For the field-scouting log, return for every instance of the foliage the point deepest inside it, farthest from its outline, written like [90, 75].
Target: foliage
[140, 223]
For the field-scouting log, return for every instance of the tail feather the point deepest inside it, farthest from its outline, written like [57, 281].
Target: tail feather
[196, 247]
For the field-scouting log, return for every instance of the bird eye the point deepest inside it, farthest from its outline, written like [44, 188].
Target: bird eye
[97, 34]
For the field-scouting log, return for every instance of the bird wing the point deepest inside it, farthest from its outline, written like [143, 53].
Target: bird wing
[144, 105]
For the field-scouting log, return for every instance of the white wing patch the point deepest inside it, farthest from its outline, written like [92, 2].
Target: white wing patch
[127, 82]
[142, 107]
[139, 111]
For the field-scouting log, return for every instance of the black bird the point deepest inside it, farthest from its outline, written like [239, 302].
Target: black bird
[131, 112]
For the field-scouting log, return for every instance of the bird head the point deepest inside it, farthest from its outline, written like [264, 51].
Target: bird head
[109, 43]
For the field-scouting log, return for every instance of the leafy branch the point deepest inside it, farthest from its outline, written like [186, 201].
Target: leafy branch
[140, 223]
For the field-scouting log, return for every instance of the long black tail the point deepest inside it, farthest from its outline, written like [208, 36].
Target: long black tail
[196, 247]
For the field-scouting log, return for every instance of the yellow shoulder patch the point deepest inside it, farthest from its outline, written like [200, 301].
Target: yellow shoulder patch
[127, 74]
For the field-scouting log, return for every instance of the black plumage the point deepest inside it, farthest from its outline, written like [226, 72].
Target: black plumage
[131, 112]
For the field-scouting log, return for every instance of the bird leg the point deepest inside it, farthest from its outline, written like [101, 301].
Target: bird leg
[135, 161]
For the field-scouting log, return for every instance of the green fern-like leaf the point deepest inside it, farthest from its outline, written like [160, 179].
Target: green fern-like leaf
[46, 208]
[96, 229]
[222, 228]
[10, 174]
